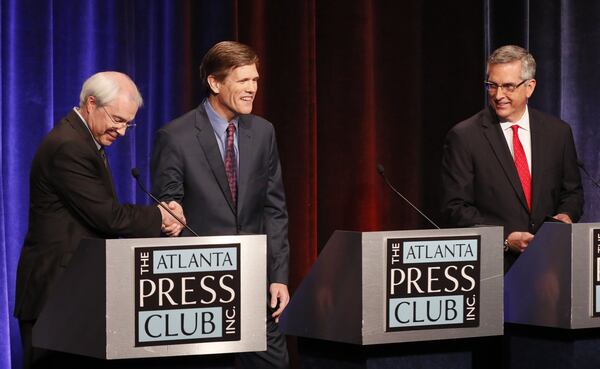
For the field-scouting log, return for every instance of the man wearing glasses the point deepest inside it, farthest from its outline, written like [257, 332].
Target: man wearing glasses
[511, 165]
[72, 197]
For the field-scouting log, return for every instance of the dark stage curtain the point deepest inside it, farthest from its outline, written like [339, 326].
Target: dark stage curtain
[350, 86]
[283, 34]
[346, 84]
[563, 37]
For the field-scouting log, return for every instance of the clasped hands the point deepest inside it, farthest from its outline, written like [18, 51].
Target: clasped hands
[171, 226]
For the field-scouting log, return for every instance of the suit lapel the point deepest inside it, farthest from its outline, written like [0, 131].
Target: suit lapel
[208, 142]
[245, 152]
[538, 143]
[80, 127]
[493, 133]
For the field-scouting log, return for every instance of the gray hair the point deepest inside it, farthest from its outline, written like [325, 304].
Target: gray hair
[105, 87]
[511, 53]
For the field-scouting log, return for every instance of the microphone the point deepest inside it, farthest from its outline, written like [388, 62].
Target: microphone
[381, 172]
[136, 174]
[580, 165]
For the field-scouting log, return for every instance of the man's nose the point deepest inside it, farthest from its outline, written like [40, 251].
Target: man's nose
[499, 93]
[252, 86]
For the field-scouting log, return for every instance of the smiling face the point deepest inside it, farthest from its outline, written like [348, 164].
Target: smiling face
[108, 122]
[235, 94]
[509, 106]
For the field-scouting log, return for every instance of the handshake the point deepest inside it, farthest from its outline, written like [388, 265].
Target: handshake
[170, 226]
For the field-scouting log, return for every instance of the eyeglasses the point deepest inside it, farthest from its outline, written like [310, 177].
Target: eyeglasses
[120, 124]
[506, 87]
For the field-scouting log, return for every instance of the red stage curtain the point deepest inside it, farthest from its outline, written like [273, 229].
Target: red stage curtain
[352, 84]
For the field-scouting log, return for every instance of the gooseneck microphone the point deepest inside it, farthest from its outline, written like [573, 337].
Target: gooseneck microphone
[582, 167]
[381, 172]
[136, 174]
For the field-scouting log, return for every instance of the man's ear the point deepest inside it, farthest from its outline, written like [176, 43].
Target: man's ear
[214, 84]
[530, 87]
[90, 104]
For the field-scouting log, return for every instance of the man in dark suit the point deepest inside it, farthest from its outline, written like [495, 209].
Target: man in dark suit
[222, 165]
[72, 197]
[511, 165]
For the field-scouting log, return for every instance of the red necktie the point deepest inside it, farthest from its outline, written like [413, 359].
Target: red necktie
[521, 165]
[230, 163]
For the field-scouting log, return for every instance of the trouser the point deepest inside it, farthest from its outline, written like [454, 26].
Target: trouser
[276, 355]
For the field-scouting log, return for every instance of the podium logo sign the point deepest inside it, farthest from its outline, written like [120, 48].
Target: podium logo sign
[596, 274]
[433, 283]
[187, 294]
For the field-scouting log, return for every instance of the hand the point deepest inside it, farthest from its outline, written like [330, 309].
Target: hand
[518, 241]
[279, 292]
[565, 218]
[170, 226]
[177, 209]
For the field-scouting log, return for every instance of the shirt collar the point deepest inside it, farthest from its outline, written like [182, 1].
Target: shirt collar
[216, 121]
[78, 111]
[522, 123]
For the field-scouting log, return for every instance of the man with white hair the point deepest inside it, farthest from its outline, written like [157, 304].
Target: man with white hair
[72, 197]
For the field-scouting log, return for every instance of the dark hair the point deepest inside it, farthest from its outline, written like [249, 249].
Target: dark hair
[222, 58]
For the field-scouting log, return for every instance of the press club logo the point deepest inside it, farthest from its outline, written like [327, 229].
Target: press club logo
[187, 294]
[433, 283]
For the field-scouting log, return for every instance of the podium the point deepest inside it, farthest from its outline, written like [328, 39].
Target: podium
[159, 297]
[556, 281]
[551, 299]
[371, 288]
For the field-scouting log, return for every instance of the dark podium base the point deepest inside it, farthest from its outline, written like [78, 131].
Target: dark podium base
[522, 347]
[54, 359]
[549, 348]
[219, 361]
[472, 353]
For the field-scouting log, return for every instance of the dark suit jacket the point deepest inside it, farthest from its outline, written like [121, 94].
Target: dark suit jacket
[187, 167]
[71, 198]
[481, 184]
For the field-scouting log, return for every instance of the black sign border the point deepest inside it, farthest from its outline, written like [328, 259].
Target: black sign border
[193, 340]
[431, 327]
[595, 255]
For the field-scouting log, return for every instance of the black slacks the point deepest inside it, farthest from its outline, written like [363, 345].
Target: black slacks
[275, 357]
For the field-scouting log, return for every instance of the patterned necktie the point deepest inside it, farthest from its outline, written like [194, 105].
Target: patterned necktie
[103, 155]
[521, 165]
[231, 163]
